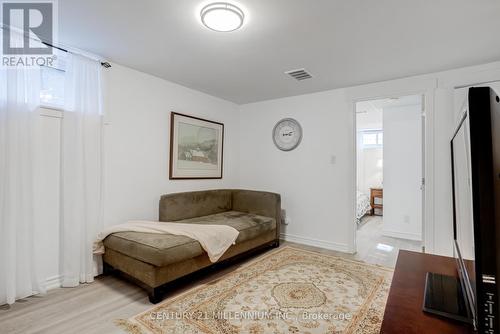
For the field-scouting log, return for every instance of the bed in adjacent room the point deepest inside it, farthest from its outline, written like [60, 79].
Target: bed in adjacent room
[363, 205]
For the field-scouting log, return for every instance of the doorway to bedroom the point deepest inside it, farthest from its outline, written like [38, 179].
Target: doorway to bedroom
[389, 177]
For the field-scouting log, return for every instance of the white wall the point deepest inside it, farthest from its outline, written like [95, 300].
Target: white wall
[369, 161]
[403, 172]
[138, 110]
[316, 194]
[313, 189]
[370, 169]
[448, 99]
[368, 118]
[136, 138]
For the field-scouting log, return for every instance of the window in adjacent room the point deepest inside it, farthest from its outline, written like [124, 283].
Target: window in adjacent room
[372, 138]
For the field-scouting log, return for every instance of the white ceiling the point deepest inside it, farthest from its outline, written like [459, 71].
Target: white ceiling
[340, 42]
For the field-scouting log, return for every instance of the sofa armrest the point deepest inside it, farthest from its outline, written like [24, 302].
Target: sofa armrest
[260, 203]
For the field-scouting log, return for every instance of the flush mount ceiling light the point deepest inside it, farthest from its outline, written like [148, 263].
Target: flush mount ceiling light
[222, 16]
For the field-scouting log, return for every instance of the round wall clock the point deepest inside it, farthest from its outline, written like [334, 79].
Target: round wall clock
[287, 134]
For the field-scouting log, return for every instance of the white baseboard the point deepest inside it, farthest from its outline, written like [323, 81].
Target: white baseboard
[402, 235]
[316, 242]
[53, 282]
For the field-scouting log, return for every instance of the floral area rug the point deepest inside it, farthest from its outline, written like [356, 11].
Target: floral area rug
[288, 290]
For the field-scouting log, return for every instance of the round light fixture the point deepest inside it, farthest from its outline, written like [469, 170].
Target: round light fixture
[222, 16]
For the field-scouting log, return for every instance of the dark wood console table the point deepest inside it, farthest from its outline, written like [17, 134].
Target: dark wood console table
[403, 313]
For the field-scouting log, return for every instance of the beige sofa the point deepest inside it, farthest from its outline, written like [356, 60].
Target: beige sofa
[153, 260]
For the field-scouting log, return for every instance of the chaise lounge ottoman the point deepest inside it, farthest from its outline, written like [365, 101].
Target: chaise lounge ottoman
[153, 260]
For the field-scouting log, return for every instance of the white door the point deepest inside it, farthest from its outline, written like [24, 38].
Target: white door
[403, 172]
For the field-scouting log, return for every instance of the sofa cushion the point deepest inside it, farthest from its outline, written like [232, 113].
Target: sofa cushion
[163, 249]
[179, 206]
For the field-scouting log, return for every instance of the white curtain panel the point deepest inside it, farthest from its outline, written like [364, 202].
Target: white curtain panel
[19, 101]
[81, 181]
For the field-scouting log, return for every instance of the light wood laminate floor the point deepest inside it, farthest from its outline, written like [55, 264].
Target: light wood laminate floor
[92, 308]
[374, 247]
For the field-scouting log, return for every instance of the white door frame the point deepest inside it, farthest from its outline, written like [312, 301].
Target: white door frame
[426, 88]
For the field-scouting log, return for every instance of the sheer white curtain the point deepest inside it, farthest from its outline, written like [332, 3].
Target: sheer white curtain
[81, 182]
[19, 101]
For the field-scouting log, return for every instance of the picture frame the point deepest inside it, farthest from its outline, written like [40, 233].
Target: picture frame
[196, 148]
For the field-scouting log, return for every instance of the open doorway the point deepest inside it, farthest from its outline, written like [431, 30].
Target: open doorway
[389, 178]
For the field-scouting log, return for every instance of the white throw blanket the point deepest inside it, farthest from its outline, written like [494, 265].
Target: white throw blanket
[215, 239]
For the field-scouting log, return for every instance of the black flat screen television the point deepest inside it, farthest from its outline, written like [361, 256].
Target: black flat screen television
[475, 164]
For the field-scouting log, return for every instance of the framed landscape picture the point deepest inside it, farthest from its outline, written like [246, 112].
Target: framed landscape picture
[196, 148]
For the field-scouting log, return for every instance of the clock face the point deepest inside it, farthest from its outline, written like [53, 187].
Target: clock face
[287, 134]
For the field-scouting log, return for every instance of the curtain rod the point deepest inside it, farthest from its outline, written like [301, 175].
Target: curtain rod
[104, 64]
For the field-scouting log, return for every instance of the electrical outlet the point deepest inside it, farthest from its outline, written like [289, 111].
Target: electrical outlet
[406, 219]
[283, 217]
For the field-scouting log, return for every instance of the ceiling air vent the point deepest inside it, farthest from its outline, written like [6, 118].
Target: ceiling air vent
[300, 74]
